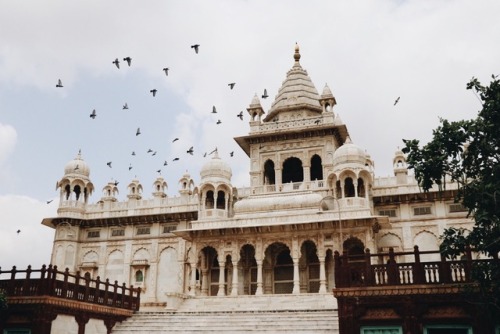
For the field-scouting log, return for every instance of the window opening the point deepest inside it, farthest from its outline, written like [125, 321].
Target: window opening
[292, 170]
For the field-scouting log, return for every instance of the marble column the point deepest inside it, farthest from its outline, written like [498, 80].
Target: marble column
[234, 287]
[204, 282]
[296, 279]
[259, 292]
[222, 269]
[192, 291]
[322, 275]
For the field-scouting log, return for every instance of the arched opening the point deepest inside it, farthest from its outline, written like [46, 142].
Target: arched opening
[309, 268]
[269, 177]
[248, 267]
[67, 191]
[139, 276]
[316, 168]
[77, 190]
[353, 246]
[209, 200]
[329, 270]
[292, 170]
[349, 187]
[355, 250]
[338, 190]
[278, 270]
[209, 267]
[361, 188]
[221, 200]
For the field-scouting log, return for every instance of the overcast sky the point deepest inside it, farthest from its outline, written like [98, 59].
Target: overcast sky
[368, 52]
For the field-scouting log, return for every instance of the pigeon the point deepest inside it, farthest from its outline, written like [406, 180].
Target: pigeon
[150, 150]
[204, 155]
[231, 153]
[18, 231]
[231, 85]
[117, 63]
[138, 132]
[159, 171]
[317, 121]
[190, 151]
[175, 139]
[133, 152]
[77, 168]
[165, 163]
[175, 159]
[49, 201]
[397, 100]
[154, 153]
[109, 164]
[116, 183]
[93, 114]
[195, 47]
[265, 96]
[59, 83]
[128, 60]
[166, 71]
[215, 150]
[218, 121]
[153, 91]
[214, 110]
[125, 106]
[130, 167]
[240, 115]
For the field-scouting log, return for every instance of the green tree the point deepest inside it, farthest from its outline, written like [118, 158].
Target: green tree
[467, 152]
[3, 300]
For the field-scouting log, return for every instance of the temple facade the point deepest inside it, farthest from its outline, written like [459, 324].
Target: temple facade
[312, 192]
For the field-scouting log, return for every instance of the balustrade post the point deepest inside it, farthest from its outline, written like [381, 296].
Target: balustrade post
[86, 277]
[337, 268]
[115, 291]
[392, 269]
[444, 270]
[64, 292]
[369, 274]
[468, 263]
[418, 270]
[97, 292]
[76, 287]
[138, 299]
[26, 283]
[52, 276]
[124, 287]
[41, 284]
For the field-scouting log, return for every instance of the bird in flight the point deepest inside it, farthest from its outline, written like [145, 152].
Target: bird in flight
[317, 121]
[150, 150]
[93, 114]
[154, 153]
[175, 139]
[218, 121]
[175, 159]
[130, 167]
[109, 164]
[117, 63]
[165, 163]
[240, 115]
[59, 83]
[231, 153]
[133, 152]
[214, 110]
[231, 85]
[128, 60]
[166, 71]
[204, 155]
[116, 183]
[265, 96]
[159, 171]
[190, 151]
[138, 132]
[49, 201]
[195, 47]
[125, 106]
[153, 91]
[18, 231]
[397, 100]
[76, 167]
[215, 150]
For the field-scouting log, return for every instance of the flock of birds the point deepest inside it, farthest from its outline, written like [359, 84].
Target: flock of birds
[128, 61]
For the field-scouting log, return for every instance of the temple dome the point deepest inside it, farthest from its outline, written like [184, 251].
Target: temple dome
[216, 169]
[77, 166]
[349, 153]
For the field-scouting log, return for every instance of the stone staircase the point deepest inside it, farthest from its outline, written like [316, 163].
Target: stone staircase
[291, 314]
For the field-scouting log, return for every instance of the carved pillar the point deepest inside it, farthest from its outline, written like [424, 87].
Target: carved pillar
[222, 269]
[204, 282]
[81, 320]
[192, 286]
[307, 173]
[42, 320]
[296, 280]
[109, 323]
[234, 287]
[322, 275]
[259, 292]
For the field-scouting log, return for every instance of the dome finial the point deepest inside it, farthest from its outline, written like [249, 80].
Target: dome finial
[296, 56]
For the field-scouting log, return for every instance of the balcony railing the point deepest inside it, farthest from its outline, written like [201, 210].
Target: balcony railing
[48, 281]
[358, 270]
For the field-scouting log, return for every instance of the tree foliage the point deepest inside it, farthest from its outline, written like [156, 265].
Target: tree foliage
[467, 152]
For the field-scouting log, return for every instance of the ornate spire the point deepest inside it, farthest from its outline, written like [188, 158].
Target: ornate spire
[296, 56]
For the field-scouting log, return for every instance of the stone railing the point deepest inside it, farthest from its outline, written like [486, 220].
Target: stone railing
[289, 187]
[284, 125]
[48, 281]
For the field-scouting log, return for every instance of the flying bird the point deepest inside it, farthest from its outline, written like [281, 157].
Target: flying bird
[128, 60]
[109, 164]
[117, 63]
[166, 71]
[175, 139]
[175, 159]
[190, 151]
[218, 121]
[195, 47]
[215, 150]
[138, 132]
[317, 121]
[231, 153]
[240, 115]
[133, 152]
[130, 167]
[214, 110]
[18, 231]
[159, 171]
[204, 155]
[231, 85]
[150, 150]
[154, 153]
[165, 163]
[265, 96]
[397, 100]
[76, 167]
[153, 91]
[116, 183]
[59, 83]
[93, 114]
[49, 201]
[125, 106]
